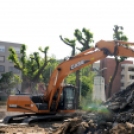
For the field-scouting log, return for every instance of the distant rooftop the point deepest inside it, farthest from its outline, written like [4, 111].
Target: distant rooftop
[8, 42]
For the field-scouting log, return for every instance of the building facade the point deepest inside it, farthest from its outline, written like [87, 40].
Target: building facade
[107, 74]
[127, 75]
[5, 64]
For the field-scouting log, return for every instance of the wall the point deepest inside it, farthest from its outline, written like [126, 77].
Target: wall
[109, 63]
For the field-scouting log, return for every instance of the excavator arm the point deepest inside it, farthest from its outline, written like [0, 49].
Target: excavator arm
[69, 66]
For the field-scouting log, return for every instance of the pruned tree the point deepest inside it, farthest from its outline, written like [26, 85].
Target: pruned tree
[117, 35]
[85, 38]
[71, 43]
[32, 67]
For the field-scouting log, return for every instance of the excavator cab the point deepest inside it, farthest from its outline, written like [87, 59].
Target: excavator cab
[68, 98]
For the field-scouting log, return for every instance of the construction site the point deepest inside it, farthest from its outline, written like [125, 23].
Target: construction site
[56, 112]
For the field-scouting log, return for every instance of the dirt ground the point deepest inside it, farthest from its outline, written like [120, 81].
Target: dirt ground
[19, 129]
[2, 111]
[33, 128]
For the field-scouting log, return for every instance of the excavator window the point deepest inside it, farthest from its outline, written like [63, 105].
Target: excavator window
[67, 100]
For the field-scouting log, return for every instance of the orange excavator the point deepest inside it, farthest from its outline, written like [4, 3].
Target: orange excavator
[60, 98]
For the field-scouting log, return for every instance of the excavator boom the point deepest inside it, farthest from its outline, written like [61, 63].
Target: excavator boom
[71, 65]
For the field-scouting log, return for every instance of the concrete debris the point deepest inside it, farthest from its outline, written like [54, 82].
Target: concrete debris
[119, 119]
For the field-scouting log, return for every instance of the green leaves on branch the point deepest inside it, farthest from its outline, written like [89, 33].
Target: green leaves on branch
[118, 33]
[86, 81]
[85, 38]
[14, 58]
[32, 67]
[8, 81]
[45, 49]
[71, 43]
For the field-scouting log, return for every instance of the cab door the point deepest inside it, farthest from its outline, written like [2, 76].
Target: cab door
[69, 98]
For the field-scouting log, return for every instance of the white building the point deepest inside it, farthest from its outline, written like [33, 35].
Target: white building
[127, 75]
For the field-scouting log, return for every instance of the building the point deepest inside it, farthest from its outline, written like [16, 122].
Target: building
[127, 75]
[5, 64]
[109, 63]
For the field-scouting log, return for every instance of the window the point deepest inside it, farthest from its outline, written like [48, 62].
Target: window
[122, 84]
[2, 58]
[2, 68]
[11, 69]
[17, 49]
[122, 76]
[131, 69]
[14, 70]
[131, 77]
[2, 48]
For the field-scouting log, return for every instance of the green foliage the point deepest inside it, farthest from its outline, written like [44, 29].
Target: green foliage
[32, 67]
[71, 79]
[71, 43]
[117, 35]
[85, 38]
[8, 81]
[86, 85]
[49, 69]
[86, 81]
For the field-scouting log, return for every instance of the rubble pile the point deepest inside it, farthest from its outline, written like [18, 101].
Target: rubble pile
[122, 105]
[119, 119]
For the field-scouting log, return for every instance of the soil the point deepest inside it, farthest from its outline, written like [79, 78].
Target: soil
[20, 129]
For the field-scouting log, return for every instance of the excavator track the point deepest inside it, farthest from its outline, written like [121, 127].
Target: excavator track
[30, 118]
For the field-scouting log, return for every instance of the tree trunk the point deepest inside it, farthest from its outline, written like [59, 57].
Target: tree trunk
[112, 79]
[78, 89]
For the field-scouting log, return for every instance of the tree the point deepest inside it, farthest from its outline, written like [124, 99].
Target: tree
[118, 35]
[72, 44]
[8, 81]
[49, 69]
[31, 67]
[85, 38]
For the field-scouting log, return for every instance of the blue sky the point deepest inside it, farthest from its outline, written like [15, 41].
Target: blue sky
[40, 22]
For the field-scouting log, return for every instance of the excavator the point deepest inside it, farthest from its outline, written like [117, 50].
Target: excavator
[59, 98]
